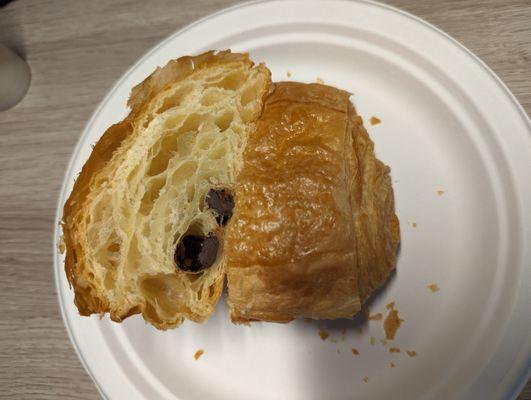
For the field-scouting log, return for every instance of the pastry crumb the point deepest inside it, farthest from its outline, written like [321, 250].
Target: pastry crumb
[375, 317]
[198, 354]
[411, 353]
[323, 334]
[365, 379]
[62, 246]
[355, 351]
[383, 342]
[374, 120]
[391, 324]
[440, 192]
[392, 365]
[373, 340]
[390, 306]
[343, 333]
[288, 74]
[414, 224]
[394, 350]
[433, 287]
[319, 80]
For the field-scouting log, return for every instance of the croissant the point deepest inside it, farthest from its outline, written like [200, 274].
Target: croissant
[314, 232]
[138, 215]
[216, 172]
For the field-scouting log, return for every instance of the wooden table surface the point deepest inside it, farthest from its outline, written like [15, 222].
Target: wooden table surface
[77, 50]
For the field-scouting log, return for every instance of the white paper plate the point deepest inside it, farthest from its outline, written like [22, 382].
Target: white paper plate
[448, 123]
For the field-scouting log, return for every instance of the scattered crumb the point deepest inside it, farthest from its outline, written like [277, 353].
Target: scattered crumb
[383, 341]
[308, 320]
[414, 224]
[433, 287]
[411, 353]
[198, 353]
[323, 334]
[334, 340]
[343, 333]
[375, 120]
[61, 246]
[394, 350]
[355, 351]
[390, 306]
[440, 192]
[373, 340]
[392, 365]
[376, 317]
[391, 324]
[288, 74]
[365, 379]
[319, 80]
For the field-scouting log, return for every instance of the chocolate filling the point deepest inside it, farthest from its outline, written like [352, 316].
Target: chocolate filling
[195, 253]
[222, 202]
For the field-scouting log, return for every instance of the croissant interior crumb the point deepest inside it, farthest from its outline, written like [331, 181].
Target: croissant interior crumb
[411, 353]
[323, 334]
[394, 350]
[376, 317]
[391, 324]
[433, 287]
[374, 120]
[198, 354]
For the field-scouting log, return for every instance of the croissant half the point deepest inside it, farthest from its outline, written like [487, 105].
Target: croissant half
[314, 231]
[143, 190]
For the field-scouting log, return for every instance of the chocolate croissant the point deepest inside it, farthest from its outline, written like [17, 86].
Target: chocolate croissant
[314, 231]
[138, 232]
[218, 172]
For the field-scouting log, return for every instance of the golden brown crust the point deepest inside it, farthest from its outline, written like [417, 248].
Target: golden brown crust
[85, 300]
[314, 231]
[376, 224]
[291, 251]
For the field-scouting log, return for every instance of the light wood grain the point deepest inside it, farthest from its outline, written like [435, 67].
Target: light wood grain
[77, 50]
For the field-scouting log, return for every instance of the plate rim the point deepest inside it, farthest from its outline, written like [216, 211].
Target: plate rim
[521, 378]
